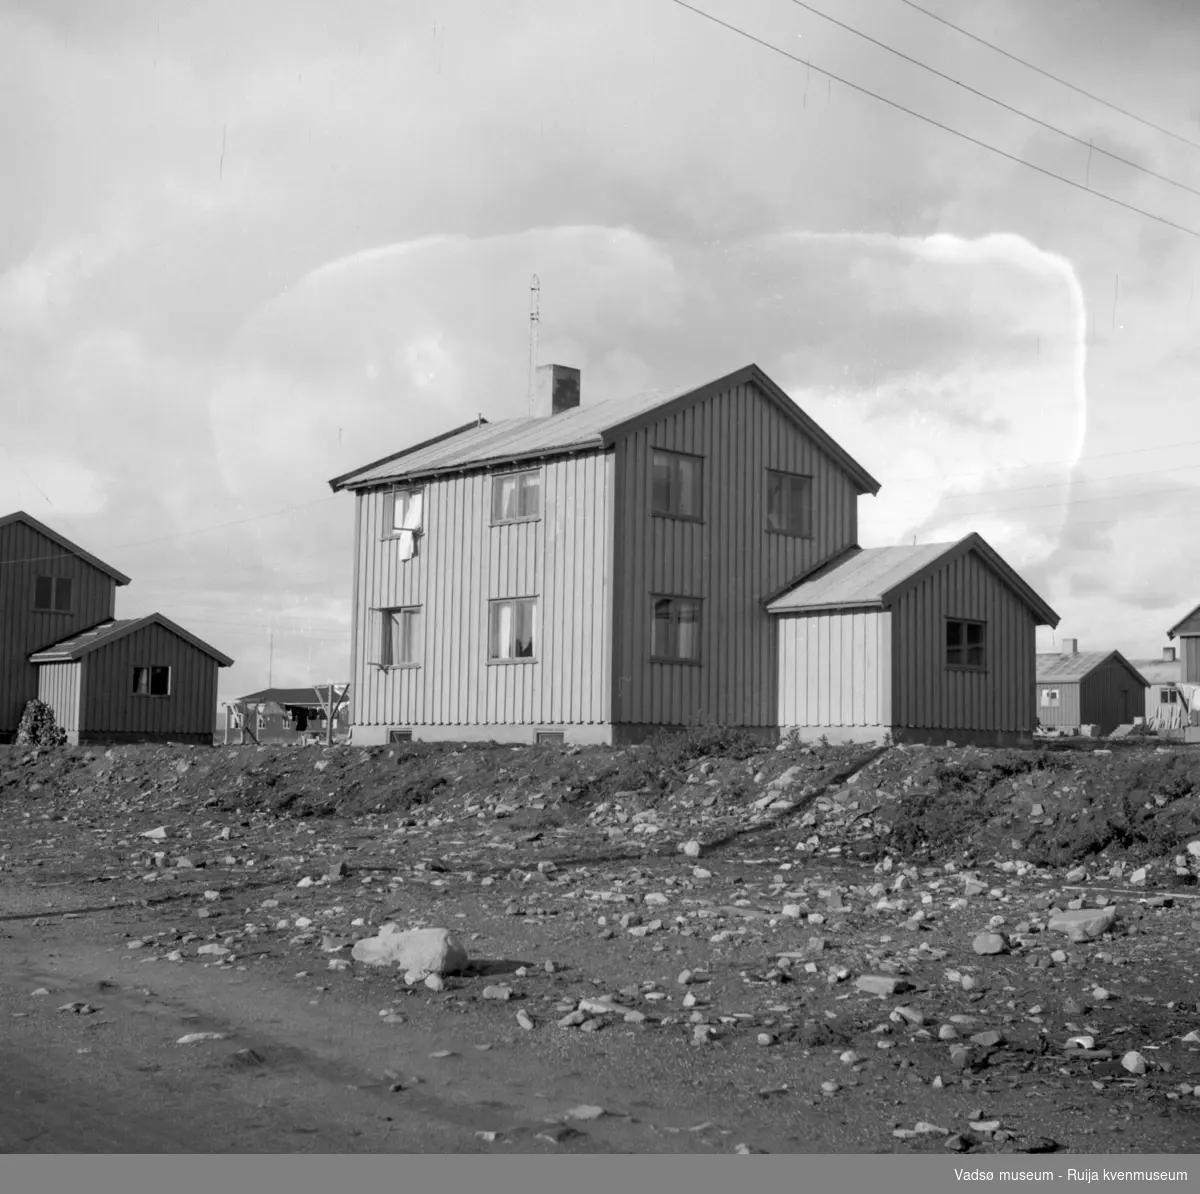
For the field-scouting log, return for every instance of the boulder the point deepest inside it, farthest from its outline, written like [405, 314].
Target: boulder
[1083, 924]
[425, 951]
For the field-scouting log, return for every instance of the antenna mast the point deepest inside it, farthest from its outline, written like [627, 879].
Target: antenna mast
[534, 319]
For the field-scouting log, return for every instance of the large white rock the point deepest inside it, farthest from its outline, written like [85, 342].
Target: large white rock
[424, 951]
[1082, 924]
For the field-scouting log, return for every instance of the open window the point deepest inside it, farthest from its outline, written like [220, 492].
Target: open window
[516, 497]
[512, 626]
[151, 681]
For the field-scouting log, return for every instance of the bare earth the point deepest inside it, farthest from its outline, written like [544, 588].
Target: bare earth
[562, 873]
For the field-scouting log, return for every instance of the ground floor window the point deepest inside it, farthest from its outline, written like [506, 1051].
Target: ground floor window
[965, 643]
[1168, 696]
[675, 630]
[1050, 698]
[151, 681]
[511, 629]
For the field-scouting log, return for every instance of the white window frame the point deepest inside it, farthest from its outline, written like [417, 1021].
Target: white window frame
[505, 652]
[1051, 698]
[528, 510]
[398, 504]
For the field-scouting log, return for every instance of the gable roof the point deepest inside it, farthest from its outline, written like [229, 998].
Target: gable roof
[64, 543]
[1188, 624]
[294, 696]
[83, 643]
[1072, 669]
[873, 577]
[584, 429]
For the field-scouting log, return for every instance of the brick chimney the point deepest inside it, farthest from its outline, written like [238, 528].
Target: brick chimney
[556, 389]
[1070, 646]
[1168, 654]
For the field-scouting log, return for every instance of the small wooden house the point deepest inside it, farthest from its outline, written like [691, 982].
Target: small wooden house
[50, 588]
[598, 573]
[289, 714]
[138, 679]
[1077, 688]
[923, 643]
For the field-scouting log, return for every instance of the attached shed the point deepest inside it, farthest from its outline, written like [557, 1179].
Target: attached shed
[1078, 688]
[1166, 705]
[138, 679]
[924, 643]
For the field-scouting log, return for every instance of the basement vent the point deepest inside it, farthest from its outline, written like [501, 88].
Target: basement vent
[550, 738]
[399, 736]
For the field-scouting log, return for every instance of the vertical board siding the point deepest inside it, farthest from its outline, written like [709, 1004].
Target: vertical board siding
[833, 669]
[1100, 697]
[107, 703]
[25, 554]
[728, 559]
[58, 686]
[1066, 714]
[1189, 653]
[927, 694]
[461, 563]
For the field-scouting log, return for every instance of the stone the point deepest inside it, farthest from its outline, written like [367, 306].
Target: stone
[989, 943]
[692, 849]
[880, 984]
[585, 1112]
[1134, 1062]
[1083, 924]
[435, 982]
[216, 951]
[427, 951]
[155, 835]
[525, 1021]
[195, 1038]
[988, 1040]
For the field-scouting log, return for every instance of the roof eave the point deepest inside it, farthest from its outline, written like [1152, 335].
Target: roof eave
[342, 482]
[474, 466]
[825, 607]
[20, 516]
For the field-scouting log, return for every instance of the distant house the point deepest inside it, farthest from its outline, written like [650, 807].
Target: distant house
[1166, 706]
[137, 679]
[281, 714]
[1077, 688]
[596, 573]
[1187, 630]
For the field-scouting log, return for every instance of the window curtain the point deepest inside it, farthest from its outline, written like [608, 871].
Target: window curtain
[689, 630]
[686, 471]
[502, 625]
[523, 647]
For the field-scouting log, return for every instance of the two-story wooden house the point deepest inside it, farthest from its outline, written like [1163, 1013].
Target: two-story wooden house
[135, 679]
[593, 573]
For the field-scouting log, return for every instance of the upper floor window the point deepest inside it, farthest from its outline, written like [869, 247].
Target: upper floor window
[675, 485]
[789, 503]
[53, 594]
[406, 511]
[516, 496]
[151, 681]
[965, 644]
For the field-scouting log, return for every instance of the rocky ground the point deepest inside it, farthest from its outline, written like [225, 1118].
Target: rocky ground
[699, 944]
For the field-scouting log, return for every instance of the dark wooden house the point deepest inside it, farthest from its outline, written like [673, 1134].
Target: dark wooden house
[50, 588]
[1079, 688]
[139, 679]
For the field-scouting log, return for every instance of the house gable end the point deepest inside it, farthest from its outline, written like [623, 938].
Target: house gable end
[63, 544]
[1186, 626]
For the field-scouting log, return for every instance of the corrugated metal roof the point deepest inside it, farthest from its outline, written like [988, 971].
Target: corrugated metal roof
[87, 641]
[65, 543]
[862, 580]
[1071, 669]
[584, 429]
[510, 439]
[78, 644]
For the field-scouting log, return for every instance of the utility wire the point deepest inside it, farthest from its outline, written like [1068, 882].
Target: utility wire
[999, 103]
[1158, 128]
[936, 123]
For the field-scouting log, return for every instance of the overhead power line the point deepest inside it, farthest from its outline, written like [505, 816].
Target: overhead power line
[1158, 128]
[937, 123]
[998, 102]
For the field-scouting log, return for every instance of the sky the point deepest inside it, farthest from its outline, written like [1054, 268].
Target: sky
[247, 248]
